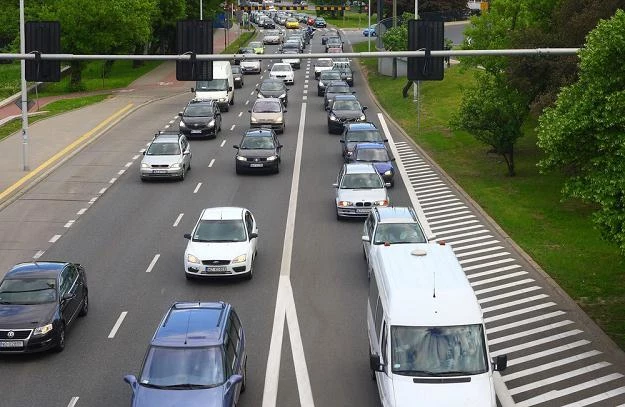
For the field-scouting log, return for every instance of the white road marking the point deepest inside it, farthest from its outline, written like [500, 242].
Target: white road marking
[136, 156]
[240, 114]
[54, 238]
[445, 225]
[451, 215]
[69, 223]
[495, 279]
[222, 143]
[491, 263]
[247, 102]
[197, 188]
[142, 150]
[493, 271]
[210, 164]
[488, 256]
[548, 352]
[599, 397]
[430, 190]
[508, 294]
[233, 126]
[519, 312]
[252, 94]
[101, 191]
[118, 323]
[81, 212]
[172, 121]
[166, 126]
[541, 341]
[306, 81]
[514, 303]
[488, 249]
[112, 180]
[306, 86]
[175, 117]
[547, 366]
[156, 257]
[128, 164]
[121, 172]
[73, 401]
[177, 221]
[38, 254]
[522, 334]
[463, 235]
[304, 97]
[503, 286]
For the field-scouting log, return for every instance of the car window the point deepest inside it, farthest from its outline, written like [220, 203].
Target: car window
[267, 106]
[249, 222]
[396, 233]
[383, 347]
[369, 225]
[184, 143]
[324, 62]
[28, 291]
[372, 154]
[331, 76]
[184, 366]
[231, 355]
[68, 276]
[346, 105]
[257, 143]
[364, 135]
[170, 148]
[236, 69]
[361, 181]
[220, 231]
[198, 110]
[281, 68]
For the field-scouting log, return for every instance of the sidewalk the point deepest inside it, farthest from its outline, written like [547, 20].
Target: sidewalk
[56, 139]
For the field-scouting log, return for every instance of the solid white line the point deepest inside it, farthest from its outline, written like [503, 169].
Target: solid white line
[54, 238]
[197, 188]
[112, 180]
[599, 397]
[428, 178]
[493, 271]
[429, 191]
[425, 175]
[491, 263]
[305, 80]
[69, 223]
[103, 190]
[117, 324]
[261, 77]
[178, 219]
[210, 164]
[456, 205]
[443, 228]
[222, 143]
[38, 254]
[522, 334]
[128, 164]
[486, 257]
[508, 294]
[232, 128]
[306, 86]
[493, 279]
[153, 262]
[519, 312]
[502, 391]
[547, 366]
[414, 200]
[73, 401]
[488, 249]
[527, 321]
[503, 286]
[82, 211]
[136, 156]
[240, 114]
[272, 374]
[451, 215]
[548, 352]
[554, 394]
[446, 223]
[477, 232]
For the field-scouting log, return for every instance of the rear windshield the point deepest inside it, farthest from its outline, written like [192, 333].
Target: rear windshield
[364, 135]
[328, 75]
[372, 155]
[324, 62]
[339, 89]
[267, 106]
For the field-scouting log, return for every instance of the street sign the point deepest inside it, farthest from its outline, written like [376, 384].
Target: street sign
[427, 35]
[29, 104]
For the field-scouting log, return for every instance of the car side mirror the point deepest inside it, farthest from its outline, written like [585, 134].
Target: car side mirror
[180, 114]
[132, 381]
[365, 238]
[287, 89]
[327, 108]
[500, 363]
[353, 92]
[335, 185]
[234, 379]
[364, 108]
[342, 141]
[144, 152]
[192, 89]
[187, 236]
[257, 90]
[229, 88]
[67, 297]
[186, 152]
[393, 159]
[375, 363]
[236, 146]
[387, 184]
[253, 235]
[284, 111]
[280, 146]
[385, 140]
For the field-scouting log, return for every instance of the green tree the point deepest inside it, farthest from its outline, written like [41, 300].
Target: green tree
[164, 24]
[584, 133]
[493, 113]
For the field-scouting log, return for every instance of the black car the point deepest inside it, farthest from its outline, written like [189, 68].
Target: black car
[333, 89]
[259, 150]
[268, 23]
[328, 34]
[273, 88]
[38, 302]
[320, 23]
[326, 77]
[200, 118]
[237, 76]
[345, 109]
[355, 133]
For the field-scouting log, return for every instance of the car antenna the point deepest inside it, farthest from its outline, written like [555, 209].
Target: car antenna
[186, 336]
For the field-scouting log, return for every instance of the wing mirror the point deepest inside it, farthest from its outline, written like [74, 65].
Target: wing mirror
[249, 111]
[253, 235]
[335, 185]
[342, 141]
[67, 297]
[365, 238]
[180, 114]
[280, 146]
[284, 111]
[387, 184]
[192, 89]
[500, 363]
[229, 88]
[132, 381]
[364, 108]
[375, 363]
[234, 379]
[187, 236]
[236, 146]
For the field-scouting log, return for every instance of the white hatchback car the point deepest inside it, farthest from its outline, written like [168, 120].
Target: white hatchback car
[223, 243]
[283, 71]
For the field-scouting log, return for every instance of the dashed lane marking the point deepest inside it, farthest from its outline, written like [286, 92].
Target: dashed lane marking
[178, 219]
[197, 187]
[210, 164]
[118, 324]
[54, 238]
[154, 260]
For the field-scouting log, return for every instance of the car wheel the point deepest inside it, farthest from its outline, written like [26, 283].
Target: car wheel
[250, 274]
[85, 305]
[283, 128]
[277, 170]
[61, 340]
[227, 108]
[188, 276]
[143, 179]
[232, 101]
[184, 174]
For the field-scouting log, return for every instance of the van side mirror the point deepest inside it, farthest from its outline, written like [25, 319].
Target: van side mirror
[342, 141]
[187, 236]
[364, 108]
[192, 89]
[387, 184]
[180, 114]
[284, 111]
[375, 363]
[234, 379]
[385, 140]
[229, 88]
[335, 185]
[365, 238]
[132, 381]
[235, 146]
[500, 363]
[253, 235]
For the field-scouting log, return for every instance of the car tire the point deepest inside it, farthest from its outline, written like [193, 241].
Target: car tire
[188, 276]
[277, 170]
[143, 179]
[248, 276]
[85, 305]
[232, 101]
[227, 108]
[60, 346]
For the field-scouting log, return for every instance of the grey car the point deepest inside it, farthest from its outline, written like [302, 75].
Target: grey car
[237, 76]
[273, 88]
[268, 113]
[272, 37]
[167, 156]
[333, 89]
[359, 188]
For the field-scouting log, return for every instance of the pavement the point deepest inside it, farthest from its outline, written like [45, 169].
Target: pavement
[52, 141]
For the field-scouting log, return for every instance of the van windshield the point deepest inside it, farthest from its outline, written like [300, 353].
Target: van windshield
[438, 351]
[212, 86]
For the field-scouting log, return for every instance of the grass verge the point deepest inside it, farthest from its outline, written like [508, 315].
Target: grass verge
[242, 40]
[558, 235]
[351, 19]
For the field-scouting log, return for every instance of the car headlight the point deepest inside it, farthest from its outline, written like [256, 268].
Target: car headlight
[222, 99]
[333, 117]
[240, 259]
[345, 203]
[211, 123]
[278, 120]
[282, 96]
[260, 96]
[144, 165]
[253, 119]
[321, 85]
[192, 259]
[241, 158]
[350, 153]
[363, 117]
[175, 165]
[272, 158]
[381, 203]
[182, 124]
[42, 330]
[388, 173]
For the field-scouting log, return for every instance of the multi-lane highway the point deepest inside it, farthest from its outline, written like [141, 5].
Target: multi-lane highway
[304, 310]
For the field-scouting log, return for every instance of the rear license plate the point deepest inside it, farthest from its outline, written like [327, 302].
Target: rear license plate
[215, 269]
[196, 131]
[11, 344]
[256, 165]
[159, 171]
[363, 210]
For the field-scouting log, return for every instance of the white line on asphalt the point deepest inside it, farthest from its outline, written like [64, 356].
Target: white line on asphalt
[514, 303]
[197, 188]
[488, 256]
[142, 150]
[541, 341]
[422, 178]
[166, 126]
[598, 397]
[503, 286]
[73, 401]
[232, 128]
[38, 254]
[508, 294]
[451, 215]
[490, 263]
[54, 238]
[306, 86]
[261, 77]
[453, 225]
[493, 271]
[252, 94]
[427, 191]
[81, 212]
[118, 323]
[155, 259]
[534, 331]
[458, 244]
[101, 191]
[120, 172]
[427, 185]
[516, 324]
[240, 114]
[223, 143]
[136, 156]
[112, 180]
[551, 365]
[495, 279]
[247, 102]
[128, 164]
[305, 80]
[548, 352]
[462, 235]
[69, 223]
[210, 164]
[172, 121]
[519, 312]
[177, 221]
[488, 249]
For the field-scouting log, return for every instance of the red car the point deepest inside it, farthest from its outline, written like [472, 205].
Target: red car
[310, 21]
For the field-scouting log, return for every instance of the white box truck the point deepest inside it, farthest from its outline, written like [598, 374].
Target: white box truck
[220, 89]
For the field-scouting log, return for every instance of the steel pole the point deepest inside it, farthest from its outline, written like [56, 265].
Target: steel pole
[416, 85]
[24, 91]
[201, 10]
[369, 28]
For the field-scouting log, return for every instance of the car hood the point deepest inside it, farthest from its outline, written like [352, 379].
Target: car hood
[161, 159]
[267, 116]
[347, 114]
[197, 120]
[476, 393]
[381, 167]
[256, 153]
[361, 195]
[252, 63]
[26, 316]
[217, 250]
[146, 396]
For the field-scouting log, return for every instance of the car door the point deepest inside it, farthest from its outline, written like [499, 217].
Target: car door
[232, 366]
[217, 115]
[368, 231]
[250, 224]
[385, 384]
[185, 147]
[69, 291]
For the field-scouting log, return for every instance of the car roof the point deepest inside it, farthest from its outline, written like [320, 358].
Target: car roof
[272, 80]
[258, 133]
[361, 126]
[271, 100]
[281, 63]
[166, 137]
[36, 269]
[359, 168]
[395, 214]
[222, 213]
[189, 324]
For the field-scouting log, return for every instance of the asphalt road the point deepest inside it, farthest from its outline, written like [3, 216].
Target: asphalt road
[306, 315]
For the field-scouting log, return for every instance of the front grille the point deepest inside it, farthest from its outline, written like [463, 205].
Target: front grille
[215, 262]
[17, 333]
[257, 160]
[160, 166]
[363, 203]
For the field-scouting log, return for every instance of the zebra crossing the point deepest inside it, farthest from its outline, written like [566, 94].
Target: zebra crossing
[551, 360]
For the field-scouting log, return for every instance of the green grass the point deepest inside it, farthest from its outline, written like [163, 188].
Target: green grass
[351, 19]
[53, 108]
[9, 79]
[243, 39]
[558, 235]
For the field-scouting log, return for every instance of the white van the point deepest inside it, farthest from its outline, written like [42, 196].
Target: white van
[220, 89]
[426, 331]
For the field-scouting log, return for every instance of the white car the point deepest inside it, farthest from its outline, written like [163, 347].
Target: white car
[223, 243]
[251, 66]
[323, 64]
[283, 71]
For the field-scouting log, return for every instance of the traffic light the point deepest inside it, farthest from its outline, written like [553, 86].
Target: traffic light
[426, 35]
[43, 37]
[194, 37]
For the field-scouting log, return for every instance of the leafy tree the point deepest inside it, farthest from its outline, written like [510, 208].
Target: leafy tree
[396, 38]
[584, 133]
[493, 112]
[164, 24]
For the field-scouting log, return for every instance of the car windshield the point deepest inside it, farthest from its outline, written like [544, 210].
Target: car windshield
[214, 85]
[361, 181]
[198, 111]
[255, 44]
[334, 40]
[438, 351]
[267, 106]
[163, 149]
[339, 89]
[346, 105]
[183, 367]
[324, 63]
[363, 135]
[269, 86]
[257, 143]
[291, 45]
[372, 155]
[399, 233]
[331, 76]
[28, 291]
[220, 231]
[281, 68]
[246, 51]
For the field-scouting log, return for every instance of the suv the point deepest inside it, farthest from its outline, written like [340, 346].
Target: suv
[359, 188]
[197, 356]
[167, 156]
[200, 118]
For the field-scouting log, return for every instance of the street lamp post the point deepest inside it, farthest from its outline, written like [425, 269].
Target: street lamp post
[24, 91]
[201, 9]
[369, 27]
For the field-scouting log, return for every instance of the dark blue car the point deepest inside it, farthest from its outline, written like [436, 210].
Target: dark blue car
[377, 154]
[196, 358]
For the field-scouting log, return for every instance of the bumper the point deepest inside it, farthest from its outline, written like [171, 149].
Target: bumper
[273, 126]
[285, 79]
[201, 271]
[205, 132]
[249, 166]
[251, 69]
[160, 173]
[353, 212]
[33, 344]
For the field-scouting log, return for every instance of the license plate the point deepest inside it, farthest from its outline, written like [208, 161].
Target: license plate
[256, 165]
[196, 131]
[363, 210]
[215, 269]
[11, 344]
[159, 171]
